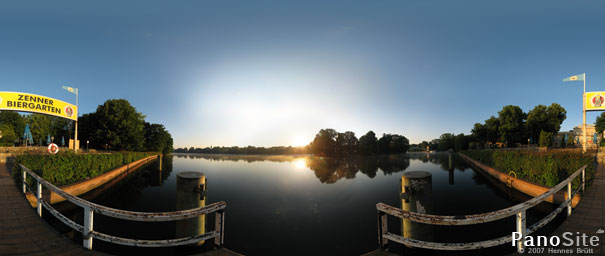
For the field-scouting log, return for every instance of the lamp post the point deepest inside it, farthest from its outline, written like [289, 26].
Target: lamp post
[87, 145]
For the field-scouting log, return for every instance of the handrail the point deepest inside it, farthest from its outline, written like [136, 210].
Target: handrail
[519, 210]
[90, 208]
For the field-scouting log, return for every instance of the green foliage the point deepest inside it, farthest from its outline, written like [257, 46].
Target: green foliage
[511, 124]
[157, 139]
[600, 123]
[545, 139]
[67, 167]
[547, 168]
[14, 120]
[446, 141]
[8, 135]
[119, 125]
[543, 118]
[328, 142]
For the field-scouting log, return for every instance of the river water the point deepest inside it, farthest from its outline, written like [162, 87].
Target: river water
[304, 205]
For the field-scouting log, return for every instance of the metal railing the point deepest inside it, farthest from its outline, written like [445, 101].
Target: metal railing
[88, 232]
[519, 210]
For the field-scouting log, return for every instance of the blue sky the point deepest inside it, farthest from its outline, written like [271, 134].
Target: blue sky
[269, 73]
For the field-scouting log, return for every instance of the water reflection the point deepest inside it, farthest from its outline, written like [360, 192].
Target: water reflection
[327, 170]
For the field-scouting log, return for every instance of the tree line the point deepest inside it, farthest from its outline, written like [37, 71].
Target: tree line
[115, 125]
[512, 126]
[329, 142]
[249, 150]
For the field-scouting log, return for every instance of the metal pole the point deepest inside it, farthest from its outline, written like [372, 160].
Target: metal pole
[76, 144]
[584, 114]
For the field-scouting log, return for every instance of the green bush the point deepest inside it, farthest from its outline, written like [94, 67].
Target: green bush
[547, 168]
[67, 167]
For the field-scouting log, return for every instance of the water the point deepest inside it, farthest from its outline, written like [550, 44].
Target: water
[302, 205]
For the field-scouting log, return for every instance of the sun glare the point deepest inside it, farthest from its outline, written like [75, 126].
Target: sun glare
[300, 163]
[299, 141]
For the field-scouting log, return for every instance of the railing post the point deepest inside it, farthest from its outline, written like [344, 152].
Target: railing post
[220, 227]
[88, 224]
[39, 198]
[24, 180]
[583, 179]
[382, 230]
[569, 197]
[521, 230]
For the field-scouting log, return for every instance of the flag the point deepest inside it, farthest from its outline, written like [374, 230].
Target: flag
[579, 77]
[71, 89]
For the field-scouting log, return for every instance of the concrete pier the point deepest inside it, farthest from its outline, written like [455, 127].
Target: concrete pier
[416, 196]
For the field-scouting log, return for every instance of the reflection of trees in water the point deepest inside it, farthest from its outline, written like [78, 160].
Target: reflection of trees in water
[442, 159]
[330, 170]
[327, 170]
[244, 158]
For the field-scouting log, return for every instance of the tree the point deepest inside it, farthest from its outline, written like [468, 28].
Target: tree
[39, 126]
[14, 120]
[446, 141]
[367, 143]
[8, 135]
[492, 127]
[547, 119]
[511, 124]
[392, 144]
[324, 142]
[479, 133]
[157, 139]
[346, 143]
[461, 142]
[119, 125]
[600, 123]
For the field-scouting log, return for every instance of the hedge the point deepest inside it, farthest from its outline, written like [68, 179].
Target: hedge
[546, 168]
[67, 168]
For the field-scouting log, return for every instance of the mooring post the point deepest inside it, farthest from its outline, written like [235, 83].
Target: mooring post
[24, 180]
[190, 194]
[416, 196]
[569, 197]
[521, 230]
[160, 158]
[39, 198]
[88, 227]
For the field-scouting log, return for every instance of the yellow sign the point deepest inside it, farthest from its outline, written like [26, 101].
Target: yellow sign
[26, 102]
[595, 101]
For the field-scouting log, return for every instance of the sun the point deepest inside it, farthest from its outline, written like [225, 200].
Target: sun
[300, 163]
[299, 141]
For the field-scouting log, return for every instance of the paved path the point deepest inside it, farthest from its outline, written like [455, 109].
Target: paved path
[22, 232]
[589, 215]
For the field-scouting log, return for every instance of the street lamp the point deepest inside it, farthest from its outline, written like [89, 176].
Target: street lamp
[87, 146]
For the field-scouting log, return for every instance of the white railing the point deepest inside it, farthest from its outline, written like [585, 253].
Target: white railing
[518, 210]
[88, 232]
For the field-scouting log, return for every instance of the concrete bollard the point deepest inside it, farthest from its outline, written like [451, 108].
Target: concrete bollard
[416, 196]
[190, 193]
[451, 169]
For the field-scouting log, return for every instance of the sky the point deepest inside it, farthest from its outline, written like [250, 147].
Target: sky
[266, 73]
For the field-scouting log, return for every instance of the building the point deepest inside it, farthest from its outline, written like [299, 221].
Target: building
[578, 135]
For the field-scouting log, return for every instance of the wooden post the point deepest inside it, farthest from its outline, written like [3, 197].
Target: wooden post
[39, 199]
[24, 180]
[569, 197]
[382, 230]
[190, 193]
[88, 227]
[583, 180]
[521, 230]
[219, 226]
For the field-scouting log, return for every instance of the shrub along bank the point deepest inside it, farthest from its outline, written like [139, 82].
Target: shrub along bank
[67, 168]
[546, 168]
